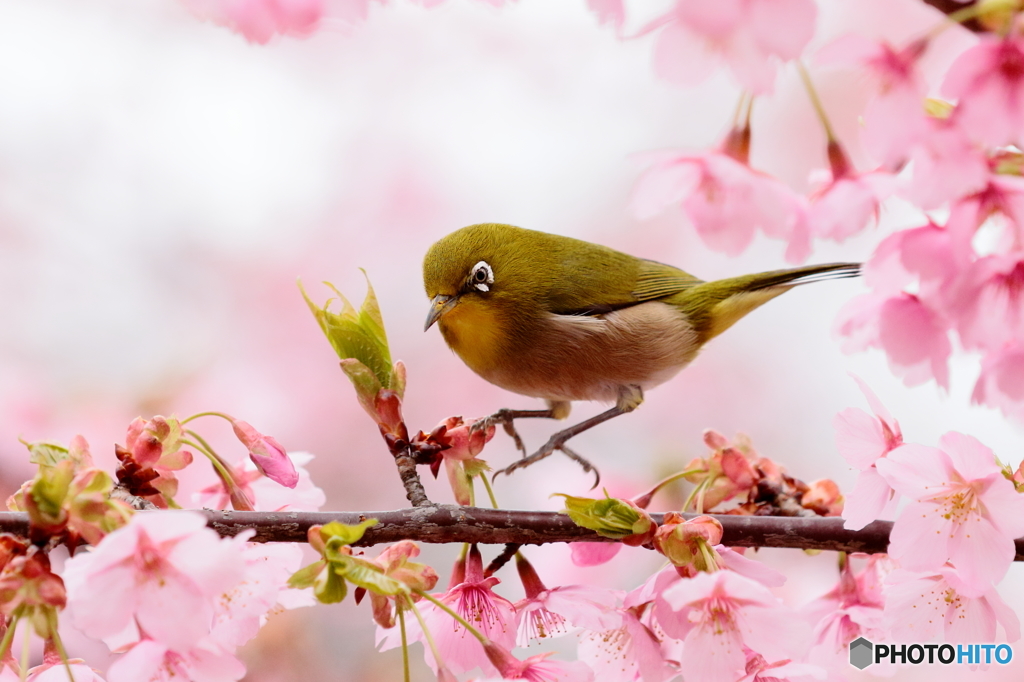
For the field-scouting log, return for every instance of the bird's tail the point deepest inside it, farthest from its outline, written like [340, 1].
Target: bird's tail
[796, 276]
[725, 301]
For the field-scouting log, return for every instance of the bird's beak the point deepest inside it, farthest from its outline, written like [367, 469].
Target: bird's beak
[439, 305]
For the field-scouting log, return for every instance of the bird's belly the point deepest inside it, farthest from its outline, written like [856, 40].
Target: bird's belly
[578, 357]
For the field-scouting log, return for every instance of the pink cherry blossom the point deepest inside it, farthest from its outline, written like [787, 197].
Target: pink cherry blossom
[751, 37]
[240, 612]
[925, 607]
[474, 600]
[151, 661]
[1001, 382]
[609, 12]
[921, 257]
[862, 440]
[537, 668]
[853, 608]
[265, 494]
[894, 117]
[1001, 199]
[962, 509]
[594, 553]
[759, 670]
[267, 454]
[726, 200]
[628, 653]
[163, 571]
[988, 79]
[843, 204]
[914, 337]
[946, 164]
[723, 612]
[551, 612]
[261, 20]
[988, 302]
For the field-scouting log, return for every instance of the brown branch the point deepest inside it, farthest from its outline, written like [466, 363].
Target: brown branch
[448, 523]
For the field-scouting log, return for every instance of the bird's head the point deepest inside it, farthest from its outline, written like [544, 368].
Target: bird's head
[478, 271]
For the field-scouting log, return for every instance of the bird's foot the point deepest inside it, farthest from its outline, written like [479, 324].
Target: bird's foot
[556, 442]
[506, 417]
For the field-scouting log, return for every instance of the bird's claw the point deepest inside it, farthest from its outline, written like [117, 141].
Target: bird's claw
[548, 449]
[506, 418]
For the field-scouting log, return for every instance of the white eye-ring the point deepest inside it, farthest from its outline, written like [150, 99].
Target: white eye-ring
[481, 276]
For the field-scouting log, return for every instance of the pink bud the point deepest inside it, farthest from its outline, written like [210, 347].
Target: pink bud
[267, 454]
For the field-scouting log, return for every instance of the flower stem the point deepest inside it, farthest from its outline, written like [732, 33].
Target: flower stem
[490, 491]
[428, 636]
[646, 497]
[405, 644]
[59, 645]
[819, 108]
[459, 619]
[25, 651]
[207, 414]
[5, 643]
[219, 466]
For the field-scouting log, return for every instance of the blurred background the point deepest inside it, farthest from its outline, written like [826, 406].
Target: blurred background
[163, 183]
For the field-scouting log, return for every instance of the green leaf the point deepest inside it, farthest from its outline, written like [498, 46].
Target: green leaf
[370, 576]
[46, 454]
[610, 517]
[344, 534]
[329, 587]
[306, 576]
[356, 334]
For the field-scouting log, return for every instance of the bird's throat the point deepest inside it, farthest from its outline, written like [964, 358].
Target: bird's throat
[475, 332]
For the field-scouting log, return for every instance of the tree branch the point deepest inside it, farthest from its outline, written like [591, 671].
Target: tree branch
[449, 523]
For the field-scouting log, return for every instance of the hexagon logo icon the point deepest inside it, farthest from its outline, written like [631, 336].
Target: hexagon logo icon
[861, 653]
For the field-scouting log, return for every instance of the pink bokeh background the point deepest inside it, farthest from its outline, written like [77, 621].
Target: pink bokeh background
[163, 183]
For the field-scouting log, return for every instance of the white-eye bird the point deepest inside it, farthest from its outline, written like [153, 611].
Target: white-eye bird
[562, 319]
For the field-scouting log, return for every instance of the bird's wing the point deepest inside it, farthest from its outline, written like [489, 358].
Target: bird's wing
[617, 285]
[657, 280]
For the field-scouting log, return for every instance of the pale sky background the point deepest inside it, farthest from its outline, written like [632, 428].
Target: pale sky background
[163, 183]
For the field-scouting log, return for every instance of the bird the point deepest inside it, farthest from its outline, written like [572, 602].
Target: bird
[565, 320]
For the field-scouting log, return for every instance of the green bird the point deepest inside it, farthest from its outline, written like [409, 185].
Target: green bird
[562, 319]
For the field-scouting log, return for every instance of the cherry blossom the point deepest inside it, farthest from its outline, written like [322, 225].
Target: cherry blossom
[267, 454]
[537, 668]
[988, 79]
[594, 553]
[939, 606]
[1001, 382]
[721, 613]
[914, 337]
[962, 509]
[551, 612]
[475, 601]
[751, 37]
[894, 118]
[261, 20]
[628, 653]
[162, 571]
[946, 164]
[842, 204]
[725, 198]
[862, 440]
[152, 661]
[852, 609]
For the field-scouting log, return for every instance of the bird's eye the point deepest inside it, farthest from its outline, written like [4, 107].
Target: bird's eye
[481, 276]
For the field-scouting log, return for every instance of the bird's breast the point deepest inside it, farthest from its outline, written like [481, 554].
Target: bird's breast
[579, 357]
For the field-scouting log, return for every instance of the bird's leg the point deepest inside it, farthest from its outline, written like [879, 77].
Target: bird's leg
[630, 398]
[506, 417]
